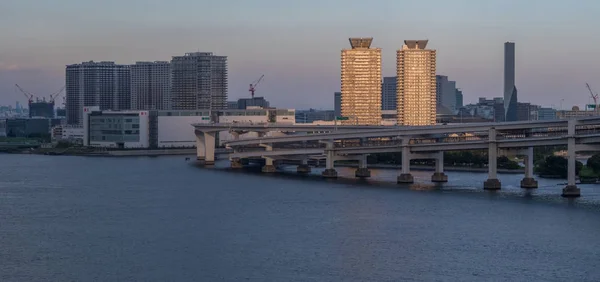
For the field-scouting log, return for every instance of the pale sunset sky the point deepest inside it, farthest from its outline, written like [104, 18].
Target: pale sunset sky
[296, 44]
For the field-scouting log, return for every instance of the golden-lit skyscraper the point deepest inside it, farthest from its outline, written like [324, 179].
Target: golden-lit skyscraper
[361, 83]
[416, 84]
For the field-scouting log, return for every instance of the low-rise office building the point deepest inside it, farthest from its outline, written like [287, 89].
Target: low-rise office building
[166, 128]
[28, 127]
[71, 133]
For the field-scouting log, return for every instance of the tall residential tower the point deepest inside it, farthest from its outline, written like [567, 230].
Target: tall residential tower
[416, 84]
[199, 81]
[361, 83]
[103, 84]
[510, 90]
[151, 86]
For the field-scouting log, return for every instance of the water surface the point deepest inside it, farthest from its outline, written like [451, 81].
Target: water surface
[163, 219]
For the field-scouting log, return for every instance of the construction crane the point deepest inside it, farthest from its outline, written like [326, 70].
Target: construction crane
[594, 96]
[27, 94]
[55, 94]
[254, 84]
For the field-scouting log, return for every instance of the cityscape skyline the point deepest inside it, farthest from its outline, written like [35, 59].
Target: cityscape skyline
[35, 55]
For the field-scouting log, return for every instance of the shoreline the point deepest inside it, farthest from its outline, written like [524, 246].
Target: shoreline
[123, 153]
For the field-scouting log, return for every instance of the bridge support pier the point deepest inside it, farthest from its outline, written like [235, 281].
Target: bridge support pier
[200, 154]
[304, 167]
[362, 171]
[405, 177]
[205, 147]
[439, 175]
[528, 181]
[329, 171]
[269, 167]
[236, 163]
[492, 183]
[571, 190]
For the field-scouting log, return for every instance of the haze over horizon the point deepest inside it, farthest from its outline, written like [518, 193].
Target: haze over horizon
[297, 45]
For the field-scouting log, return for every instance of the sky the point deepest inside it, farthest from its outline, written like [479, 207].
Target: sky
[296, 44]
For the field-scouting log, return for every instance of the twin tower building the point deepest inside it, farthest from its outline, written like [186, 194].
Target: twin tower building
[361, 83]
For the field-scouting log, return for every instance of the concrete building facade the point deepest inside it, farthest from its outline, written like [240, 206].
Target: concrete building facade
[389, 93]
[103, 84]
[166, 128]
[416, 68]
[361, 83]
[151, 86]
[199, 81]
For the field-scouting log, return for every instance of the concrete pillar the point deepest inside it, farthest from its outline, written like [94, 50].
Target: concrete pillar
[303, 167]
[528, 181]
[200, 154]
[269, 167]
[571, 190]
[405, 177]
[362, 171]
[439, 175]
[492, 183]
[236, 163]
[235, 135]
[329, 171]
[209, 148]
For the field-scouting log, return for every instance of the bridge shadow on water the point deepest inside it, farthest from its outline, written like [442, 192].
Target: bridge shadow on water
[529, 196]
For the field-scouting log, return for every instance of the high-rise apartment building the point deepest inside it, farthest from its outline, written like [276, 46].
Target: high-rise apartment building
[151, 86]
[416, 84]
[361, 83]
[103, 84]
[199, 81]
[389, 93]
[510, 90]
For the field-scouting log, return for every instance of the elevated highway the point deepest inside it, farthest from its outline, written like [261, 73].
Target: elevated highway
[335, 143]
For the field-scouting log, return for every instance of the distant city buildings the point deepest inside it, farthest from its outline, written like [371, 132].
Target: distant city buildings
[459, 99]
[41, 109]
[361, 83]
[103, 84]
[446, 92]
[575, 112]
[337, 103]
[546, 114]
[245, 103]
[389, 93]
[151, 86]
[199, 81]
[510, 89]
[312, 115]
[416, 68]
[232, 105]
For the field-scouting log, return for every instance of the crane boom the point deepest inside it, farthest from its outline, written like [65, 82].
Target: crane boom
[254, 84]
[27, 94]
[55, 94]
[594, 96]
